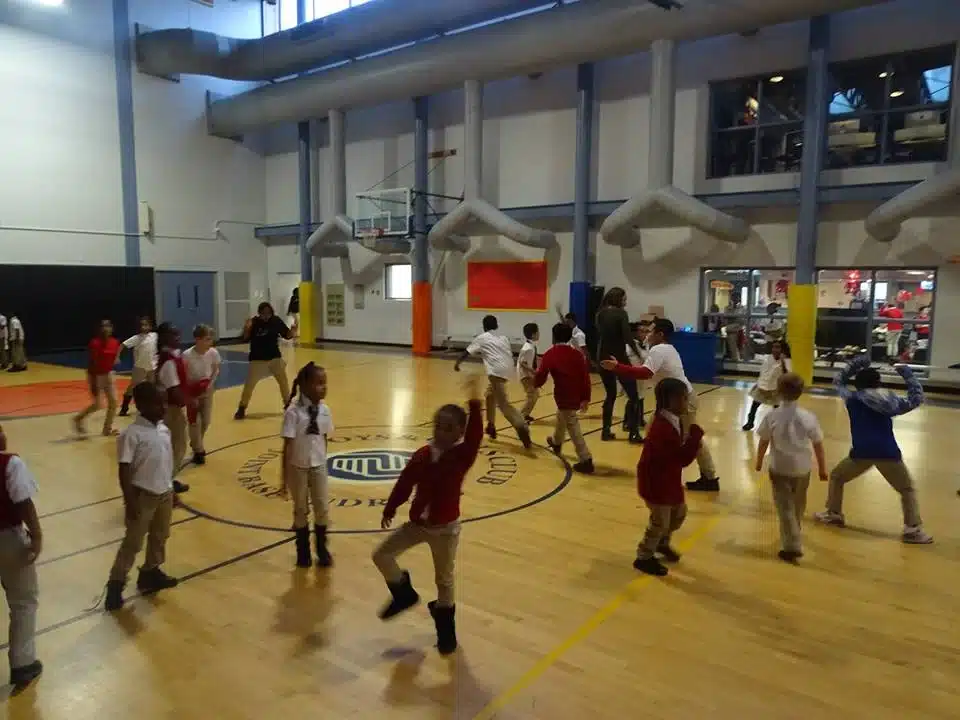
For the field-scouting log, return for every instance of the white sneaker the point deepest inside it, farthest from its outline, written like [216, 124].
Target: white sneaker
[916, 536]
[828, 517]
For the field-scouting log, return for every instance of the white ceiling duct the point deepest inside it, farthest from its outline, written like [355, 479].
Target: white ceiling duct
[661, 197]
[582, 32]
[351, 33]
[447, 234]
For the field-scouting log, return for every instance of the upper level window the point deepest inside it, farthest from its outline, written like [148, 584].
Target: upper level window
[316, 9]
[890, 109]
[757, 124]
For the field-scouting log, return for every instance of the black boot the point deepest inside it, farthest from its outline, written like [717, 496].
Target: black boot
[704, 485]
[444, 619]
[324, 559]
[22, 676]
[241, 413]
[114, 600]
[154, 580]
[303, 547]
[124, 406]
[404, 598]
[179, 487]
[606, 423]
[641, 420]
[751, 416]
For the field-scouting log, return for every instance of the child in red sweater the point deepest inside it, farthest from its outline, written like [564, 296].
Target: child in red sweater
[103, 351]
[665, 454]
[435, 476]
[571, 391]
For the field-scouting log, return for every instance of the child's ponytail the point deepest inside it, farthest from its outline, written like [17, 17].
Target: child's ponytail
[302, 376]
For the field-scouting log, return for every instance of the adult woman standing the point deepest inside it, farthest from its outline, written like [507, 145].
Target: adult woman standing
[613, 328]
[264, 331]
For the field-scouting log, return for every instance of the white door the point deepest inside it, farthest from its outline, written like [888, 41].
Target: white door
[281, 287]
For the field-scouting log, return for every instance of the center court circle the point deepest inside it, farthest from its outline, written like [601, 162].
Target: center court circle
[241, 483]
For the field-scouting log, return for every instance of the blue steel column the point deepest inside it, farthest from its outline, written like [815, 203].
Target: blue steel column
[123, 64]
[582, 277]
[421, 258]
[802, 297]
[304, 173]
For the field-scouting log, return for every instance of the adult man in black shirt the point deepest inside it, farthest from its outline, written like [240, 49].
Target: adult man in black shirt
[264, 331]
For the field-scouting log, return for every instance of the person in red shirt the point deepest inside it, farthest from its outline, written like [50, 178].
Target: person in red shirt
[102, 357]
[665, 454]
[894, 329]
[571, 391]
[435, 476]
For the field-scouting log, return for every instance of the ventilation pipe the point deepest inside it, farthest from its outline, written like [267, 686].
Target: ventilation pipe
[884, 223]
[661, 197]
[571, 34]
[445, 234]
[351, 33]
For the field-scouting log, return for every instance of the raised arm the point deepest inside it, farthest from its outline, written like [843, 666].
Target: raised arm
[843, 378]
[914, 398]
[473, 435]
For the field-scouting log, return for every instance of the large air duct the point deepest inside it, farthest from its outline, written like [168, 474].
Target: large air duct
[447, 233]
[352, 33]
[568, 35]
[884, 223]
[661, 197]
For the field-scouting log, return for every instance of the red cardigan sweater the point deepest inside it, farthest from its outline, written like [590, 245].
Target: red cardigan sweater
[438, 484]
[665, 455]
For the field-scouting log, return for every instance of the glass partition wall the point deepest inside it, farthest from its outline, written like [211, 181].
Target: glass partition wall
[887, 312]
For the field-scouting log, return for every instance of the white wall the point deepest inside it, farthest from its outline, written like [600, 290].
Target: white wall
[62, 154]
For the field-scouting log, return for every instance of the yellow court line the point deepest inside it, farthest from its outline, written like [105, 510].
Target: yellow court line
[584, 631]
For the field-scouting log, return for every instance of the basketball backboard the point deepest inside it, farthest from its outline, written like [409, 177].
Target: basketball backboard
[385, 212]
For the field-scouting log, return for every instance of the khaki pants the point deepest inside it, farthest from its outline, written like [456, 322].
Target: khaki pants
[18, 357]
[790, 499]
[704, 459]
[176, 420]
[893, 471]
[568, 422]
[259, 369]
[199, 428]
[147, 516]
[20, 586]
[101, 385]
[496, 397]
[442, 539]
[893, 343]
[137, 376]
[664, 521]
[4, 354]
[308, 486]
[533, 394]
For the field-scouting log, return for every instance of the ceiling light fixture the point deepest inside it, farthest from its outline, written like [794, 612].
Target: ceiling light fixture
[776, 78]
[48, 3]
[896, 93]
[885, 74]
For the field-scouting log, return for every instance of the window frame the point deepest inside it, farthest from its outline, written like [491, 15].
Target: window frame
[387, 268]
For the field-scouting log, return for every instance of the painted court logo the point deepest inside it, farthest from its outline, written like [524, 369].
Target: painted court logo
[375, 465]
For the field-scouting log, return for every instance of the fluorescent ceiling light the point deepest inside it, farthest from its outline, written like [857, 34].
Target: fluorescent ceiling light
[896, 93]
[48, 3]
[776, 78]
[885, 74]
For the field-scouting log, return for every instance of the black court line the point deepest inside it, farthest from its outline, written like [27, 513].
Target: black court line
[108, 543]
[64, 511]
[189, 576]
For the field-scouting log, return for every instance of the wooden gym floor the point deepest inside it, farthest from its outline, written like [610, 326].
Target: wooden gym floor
[553, 622]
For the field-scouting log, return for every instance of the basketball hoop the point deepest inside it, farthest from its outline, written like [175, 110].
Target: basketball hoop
[369, 238]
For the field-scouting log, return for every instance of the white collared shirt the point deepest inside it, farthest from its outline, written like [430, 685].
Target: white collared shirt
[770, 372]
[308, 450]
[148, 450]
[201, 367]
[21, 485]
[144, 348]
[496, 353]
[168, 377]
[791, 430]
[636, 360]
[526, 361]
[579, 339]
[664, 361]
[16, 330]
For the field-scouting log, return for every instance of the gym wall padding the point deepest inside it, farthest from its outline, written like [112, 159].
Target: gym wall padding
[61, 305]
[507, 285]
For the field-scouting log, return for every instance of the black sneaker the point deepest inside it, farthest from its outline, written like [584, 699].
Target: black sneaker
[403, 598]
[529, 420]
[303, 548]
[179, 487]
[114, 599]
[789, 556]
[668, 554]
[200, 458]
[240, 414]
[524, 435]
[22, 676]
[748, 427]
[650, 566]
[607, 436]
[584, 467]
[704, 485]
[635, 439]
[445, 620]
[554, 448]
[154, 580]
[491, 431]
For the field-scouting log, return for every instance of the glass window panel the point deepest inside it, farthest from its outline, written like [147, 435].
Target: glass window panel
[782, 98]
[734, 103]
[322, 8]
[858, 86]
[398, 281]
[288, 14]
[921, 77]
[854, 141]
[781, 147]
[732, 152]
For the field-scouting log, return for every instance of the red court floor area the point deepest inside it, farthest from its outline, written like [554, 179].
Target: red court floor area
[49, 398]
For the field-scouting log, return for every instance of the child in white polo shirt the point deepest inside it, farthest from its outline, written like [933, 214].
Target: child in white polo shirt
[527, 362]
[144, 347]
[789, 431]
[497, 357]
[307, 423]
[145, 455]
[203, 367]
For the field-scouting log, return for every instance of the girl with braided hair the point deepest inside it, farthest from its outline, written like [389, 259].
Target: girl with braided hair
[307, 423]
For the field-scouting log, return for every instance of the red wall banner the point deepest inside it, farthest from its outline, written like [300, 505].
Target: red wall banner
[507, 285]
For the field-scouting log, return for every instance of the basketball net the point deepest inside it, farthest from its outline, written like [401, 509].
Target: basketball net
[369, 238]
